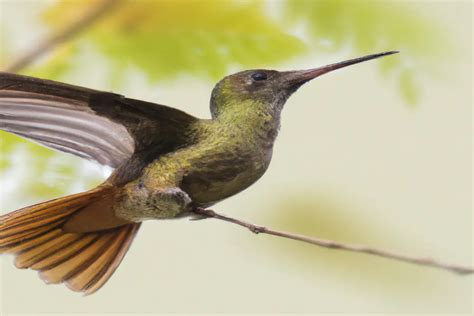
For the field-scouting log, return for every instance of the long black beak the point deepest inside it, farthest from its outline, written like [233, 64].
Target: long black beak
[301, 76]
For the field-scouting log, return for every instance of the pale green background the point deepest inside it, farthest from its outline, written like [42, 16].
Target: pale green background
[352, 163]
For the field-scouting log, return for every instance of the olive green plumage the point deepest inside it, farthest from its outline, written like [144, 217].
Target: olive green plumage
[223, 156]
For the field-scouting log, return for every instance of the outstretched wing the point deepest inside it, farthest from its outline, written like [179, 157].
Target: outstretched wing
[95, 125]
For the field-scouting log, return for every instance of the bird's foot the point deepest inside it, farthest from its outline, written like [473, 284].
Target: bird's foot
[198, 214]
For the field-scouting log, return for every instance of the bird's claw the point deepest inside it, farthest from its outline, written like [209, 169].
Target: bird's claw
[199, 214]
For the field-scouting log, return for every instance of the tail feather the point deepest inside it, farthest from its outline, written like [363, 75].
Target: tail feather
[83, 261]
[78, 263]
[27, 258]
[9, 241]
[108, 270]
[64, 254]
[68, 203]
[32, 242]
[91, 275]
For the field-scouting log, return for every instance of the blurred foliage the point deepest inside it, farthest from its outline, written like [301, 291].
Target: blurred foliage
[8, 142]
[40, 172]
[167, 38]
[59, 63]
[373, 26]
[331, 216]
[208, 38]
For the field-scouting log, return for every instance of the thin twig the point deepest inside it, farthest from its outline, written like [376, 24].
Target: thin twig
[61, 36]
[206, 213]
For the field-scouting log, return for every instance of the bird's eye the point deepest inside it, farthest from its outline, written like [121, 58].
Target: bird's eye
[259, 76]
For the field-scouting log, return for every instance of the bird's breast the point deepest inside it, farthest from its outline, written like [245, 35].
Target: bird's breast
[219, 175]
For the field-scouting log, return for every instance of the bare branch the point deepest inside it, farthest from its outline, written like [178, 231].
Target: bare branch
[206, 213]
[62, 36]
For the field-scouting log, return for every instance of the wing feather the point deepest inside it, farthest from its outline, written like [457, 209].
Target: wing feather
[63, 124]
[91, 124]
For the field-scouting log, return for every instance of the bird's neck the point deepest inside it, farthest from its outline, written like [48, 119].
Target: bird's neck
[253, 121]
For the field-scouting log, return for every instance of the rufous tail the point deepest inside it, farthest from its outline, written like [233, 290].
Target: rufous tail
[84, 261]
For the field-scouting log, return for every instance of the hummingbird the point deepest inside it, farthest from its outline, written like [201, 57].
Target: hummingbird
[166, 163]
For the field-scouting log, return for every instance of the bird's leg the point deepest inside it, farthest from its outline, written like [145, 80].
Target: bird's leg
[170, 202]
[141, 203]
[198, 213]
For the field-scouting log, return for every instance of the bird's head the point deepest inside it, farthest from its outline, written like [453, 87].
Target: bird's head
[268, 89]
